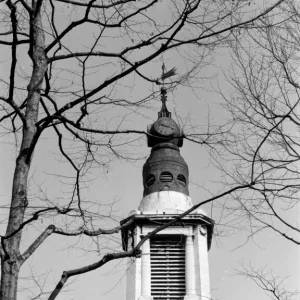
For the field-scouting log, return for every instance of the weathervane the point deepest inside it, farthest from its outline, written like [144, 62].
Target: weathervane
[163, 91]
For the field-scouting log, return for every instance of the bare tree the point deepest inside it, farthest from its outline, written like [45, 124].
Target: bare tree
[263, 147]
[264, 105]
[84, 59]
[265, 279]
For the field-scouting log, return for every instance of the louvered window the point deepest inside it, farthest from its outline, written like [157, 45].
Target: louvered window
[167, 267]
[166, 177]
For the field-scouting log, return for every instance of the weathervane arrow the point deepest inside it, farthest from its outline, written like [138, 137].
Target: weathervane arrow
[168, 74]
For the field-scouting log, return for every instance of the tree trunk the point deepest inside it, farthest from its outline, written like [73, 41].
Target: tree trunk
[12, 260]
[11, 257]
[9, 279]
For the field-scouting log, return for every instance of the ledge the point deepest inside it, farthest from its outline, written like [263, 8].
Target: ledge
[152, 219]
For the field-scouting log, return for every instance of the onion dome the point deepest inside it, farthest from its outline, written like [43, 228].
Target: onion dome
[165, 169]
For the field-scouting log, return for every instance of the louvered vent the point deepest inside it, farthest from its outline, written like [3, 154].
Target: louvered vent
[166, 177]
[150, 180]
[181, 179]
[167, 268]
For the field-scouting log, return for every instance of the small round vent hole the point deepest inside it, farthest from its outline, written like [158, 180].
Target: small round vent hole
[181, 179]
[166, 177]
[150, 180]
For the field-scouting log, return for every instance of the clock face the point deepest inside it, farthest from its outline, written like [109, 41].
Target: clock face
[165, 126]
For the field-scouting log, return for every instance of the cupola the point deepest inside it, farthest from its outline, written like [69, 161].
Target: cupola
[165, 172]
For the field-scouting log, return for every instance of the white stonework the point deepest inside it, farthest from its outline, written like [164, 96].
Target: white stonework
[145, 272]
[133, 284]
[201, 262]
[190, 282]
[165, 202]
[168, 202]
[197, 269]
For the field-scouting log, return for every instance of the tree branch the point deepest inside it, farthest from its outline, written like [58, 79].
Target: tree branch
[14, 23]
[80, 231]
[122, 2]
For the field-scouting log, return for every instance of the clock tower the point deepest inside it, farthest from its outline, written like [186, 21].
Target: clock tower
[174, 262]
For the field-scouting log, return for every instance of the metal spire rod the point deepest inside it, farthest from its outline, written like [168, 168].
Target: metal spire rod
[163, 91]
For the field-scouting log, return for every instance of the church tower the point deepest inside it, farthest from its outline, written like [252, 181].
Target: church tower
[174, 262]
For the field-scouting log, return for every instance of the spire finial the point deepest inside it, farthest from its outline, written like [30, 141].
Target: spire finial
[163, 67]
[163, 111]
[163, 91]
